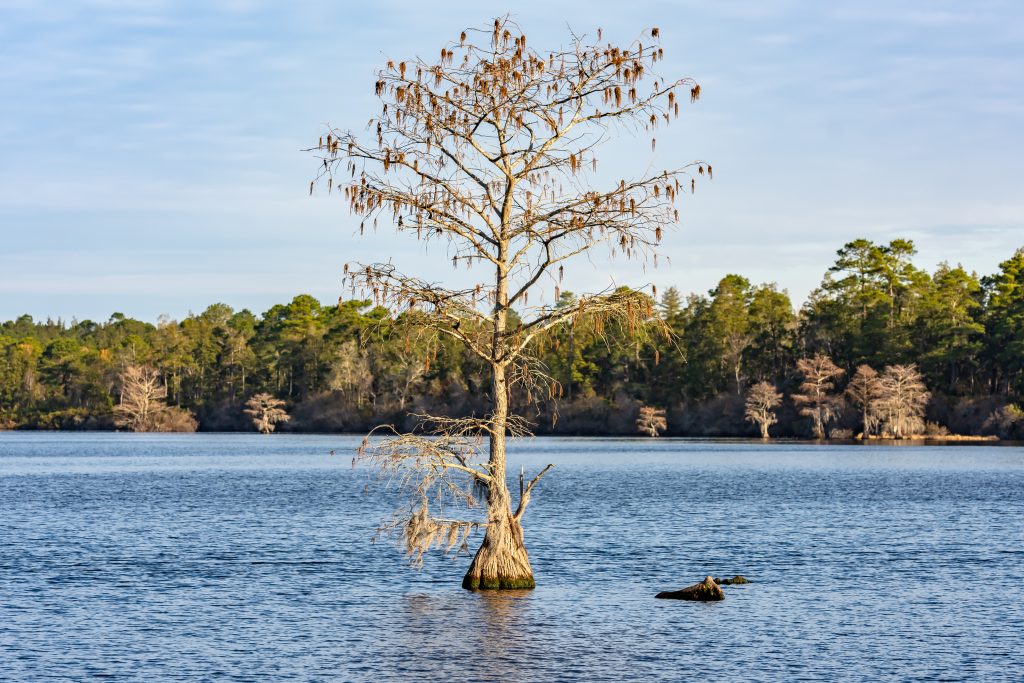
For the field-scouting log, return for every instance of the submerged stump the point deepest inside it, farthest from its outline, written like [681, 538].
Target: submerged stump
[734, 581]
[705, 591]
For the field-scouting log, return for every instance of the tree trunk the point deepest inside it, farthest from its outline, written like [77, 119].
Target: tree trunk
[819, 424]
[764, 429]
[502, 561]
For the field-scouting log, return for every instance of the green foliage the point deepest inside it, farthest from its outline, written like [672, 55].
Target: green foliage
[864, 306]
[1004, 322]
[348, 365]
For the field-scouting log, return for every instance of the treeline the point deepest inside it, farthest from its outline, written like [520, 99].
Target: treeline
[350, 366]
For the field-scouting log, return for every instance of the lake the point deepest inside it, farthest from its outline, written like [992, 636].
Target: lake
[242, 557]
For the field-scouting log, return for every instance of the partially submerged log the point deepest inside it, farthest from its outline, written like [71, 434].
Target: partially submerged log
[705, 591]
[734, 581]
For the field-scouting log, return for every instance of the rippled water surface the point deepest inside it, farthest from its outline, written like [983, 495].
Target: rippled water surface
[217, 557]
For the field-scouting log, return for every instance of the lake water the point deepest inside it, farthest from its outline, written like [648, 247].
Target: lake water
[240, 557]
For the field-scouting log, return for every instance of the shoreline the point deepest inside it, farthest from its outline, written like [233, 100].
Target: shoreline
[951, 439]
[947, 437]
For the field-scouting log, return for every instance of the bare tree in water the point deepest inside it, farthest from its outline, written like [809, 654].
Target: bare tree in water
[489, 151]
[816, 399]
[266, 412]
[651, 421]
[762, 400]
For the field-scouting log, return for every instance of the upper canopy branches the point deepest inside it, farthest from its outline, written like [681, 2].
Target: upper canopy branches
[492, 149]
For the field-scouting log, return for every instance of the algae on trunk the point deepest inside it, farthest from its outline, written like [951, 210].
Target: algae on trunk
[502, 562]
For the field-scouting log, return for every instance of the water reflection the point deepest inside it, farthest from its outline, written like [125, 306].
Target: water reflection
[503, 615]
[488, 628]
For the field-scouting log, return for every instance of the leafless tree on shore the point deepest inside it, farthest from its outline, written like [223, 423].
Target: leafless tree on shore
[651, 421]
[816, 398]
[266, 412]
[902, 400]
[143, 405]
[762, 400]
[864, 390]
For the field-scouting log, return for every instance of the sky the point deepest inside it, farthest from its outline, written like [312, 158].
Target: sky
[151, 152]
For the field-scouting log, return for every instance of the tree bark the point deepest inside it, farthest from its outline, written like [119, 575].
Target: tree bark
[819, 424]
[502, 561]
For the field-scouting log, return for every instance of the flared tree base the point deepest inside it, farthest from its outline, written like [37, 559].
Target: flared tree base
[502, 562]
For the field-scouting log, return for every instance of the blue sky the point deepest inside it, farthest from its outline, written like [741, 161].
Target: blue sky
[150, 151]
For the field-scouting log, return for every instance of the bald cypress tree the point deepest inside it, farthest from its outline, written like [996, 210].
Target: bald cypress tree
[489, 152]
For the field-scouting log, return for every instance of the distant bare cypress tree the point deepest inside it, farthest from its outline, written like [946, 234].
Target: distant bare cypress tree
[143, 398]
[816, 400]
[143, 406]
[864, 390]
[266, 412]
[651, 421]
[902, 401]
[762, 400]
[350, 373]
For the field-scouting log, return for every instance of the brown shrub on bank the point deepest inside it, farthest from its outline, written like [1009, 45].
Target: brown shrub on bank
[1006, 423]
[174, 419]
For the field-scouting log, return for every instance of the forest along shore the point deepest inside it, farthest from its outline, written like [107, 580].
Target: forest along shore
[740, 356]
